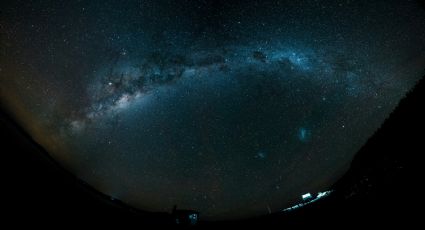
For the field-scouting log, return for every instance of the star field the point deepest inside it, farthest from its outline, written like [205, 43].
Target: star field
[231, 108]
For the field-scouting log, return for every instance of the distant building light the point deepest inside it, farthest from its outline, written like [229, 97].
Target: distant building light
[308, 199]
[185, 217]
[193, 216]
[307, 196]
[322, 194]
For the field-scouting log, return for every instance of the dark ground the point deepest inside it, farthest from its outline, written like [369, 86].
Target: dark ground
[382, 187]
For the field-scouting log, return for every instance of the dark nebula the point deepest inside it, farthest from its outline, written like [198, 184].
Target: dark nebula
[231, 108]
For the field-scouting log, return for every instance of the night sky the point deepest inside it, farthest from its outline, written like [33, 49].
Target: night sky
[231, 108]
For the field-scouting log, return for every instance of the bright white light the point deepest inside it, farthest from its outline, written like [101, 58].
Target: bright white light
[306, 196]
[193, 216]
[322, 194]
